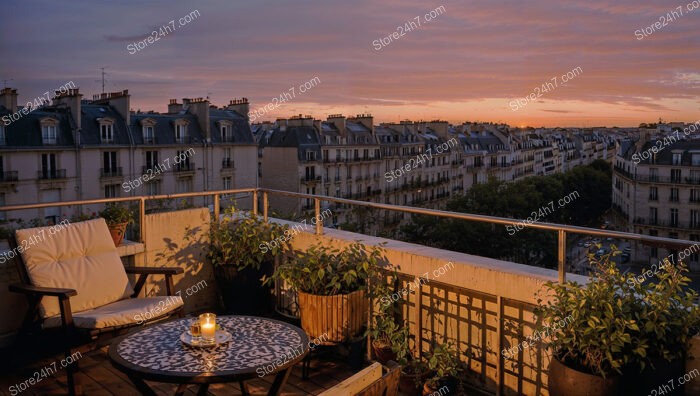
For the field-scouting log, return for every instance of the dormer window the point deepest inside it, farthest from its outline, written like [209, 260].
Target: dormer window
[226, 129]
[148, 130]
[106, 130]
[148, 134]
[181, 131]
[48, 130]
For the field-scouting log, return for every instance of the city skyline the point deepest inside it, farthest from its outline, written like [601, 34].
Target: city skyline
[464, 64]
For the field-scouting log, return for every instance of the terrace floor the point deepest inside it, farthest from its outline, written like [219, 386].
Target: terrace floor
[99, 378]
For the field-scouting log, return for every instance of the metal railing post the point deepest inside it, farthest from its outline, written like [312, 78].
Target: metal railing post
[562, 256]
[265, 205]
[255, 202]
[217, 205]
[142, 219]
[318, 219]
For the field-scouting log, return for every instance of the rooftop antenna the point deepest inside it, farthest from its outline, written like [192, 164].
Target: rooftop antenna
[103, 80]
[4, 82]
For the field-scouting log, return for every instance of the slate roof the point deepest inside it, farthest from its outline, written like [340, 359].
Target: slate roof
[26, 131]
[241, 129]
[664, 156]
[164, 130]
[90, 127]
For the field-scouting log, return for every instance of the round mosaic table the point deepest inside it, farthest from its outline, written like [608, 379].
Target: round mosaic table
[258, 347]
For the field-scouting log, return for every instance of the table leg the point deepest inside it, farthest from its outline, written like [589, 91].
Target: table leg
[280, 380]
[181, 389]
[203, 389]
[244, 388]
[141, 385]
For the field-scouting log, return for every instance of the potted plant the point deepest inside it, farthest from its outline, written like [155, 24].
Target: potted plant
[241, 250]
[118, 217]
[607, 335]
[444, 364]
[414, 372]
[331, 280]
[389, 338]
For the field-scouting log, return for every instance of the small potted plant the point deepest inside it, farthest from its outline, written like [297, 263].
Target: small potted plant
[118, 217]
[618, 334]
[242, 249]
[414, 372]
[332, 280]
[389, 338]
[444, 364]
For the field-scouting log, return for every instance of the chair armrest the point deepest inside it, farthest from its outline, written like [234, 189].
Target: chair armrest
[154, 270]
[44, 291]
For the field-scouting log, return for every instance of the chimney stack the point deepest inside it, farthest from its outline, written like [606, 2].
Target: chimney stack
[241, 106]
[200, 108]
[120, 101]
[8, 98]
[70, 99]
[174, 107]
[339, 121]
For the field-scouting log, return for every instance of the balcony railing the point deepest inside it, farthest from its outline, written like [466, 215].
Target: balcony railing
[8, 176]
[184, 167]
[494, 309]
[310, 179]
[111, 172]
[227, 163]
[49, 174]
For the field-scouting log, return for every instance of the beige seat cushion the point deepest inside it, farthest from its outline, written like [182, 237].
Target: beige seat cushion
[124, 312]
[79, 256]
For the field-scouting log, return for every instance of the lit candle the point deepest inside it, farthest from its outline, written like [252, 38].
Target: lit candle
[208, 323]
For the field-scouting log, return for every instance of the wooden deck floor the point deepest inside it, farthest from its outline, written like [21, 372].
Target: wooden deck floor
[99, 378]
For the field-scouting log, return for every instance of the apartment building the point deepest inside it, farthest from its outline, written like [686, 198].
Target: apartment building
[349, 157]
[86, 149]
[656, 191]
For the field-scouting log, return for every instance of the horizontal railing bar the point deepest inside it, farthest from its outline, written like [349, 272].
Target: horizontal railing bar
[397, 208]
[494, 219]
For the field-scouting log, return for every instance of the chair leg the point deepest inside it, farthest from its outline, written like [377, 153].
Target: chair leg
[74, 385]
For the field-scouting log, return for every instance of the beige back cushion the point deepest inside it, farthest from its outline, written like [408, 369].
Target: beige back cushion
[78, 256]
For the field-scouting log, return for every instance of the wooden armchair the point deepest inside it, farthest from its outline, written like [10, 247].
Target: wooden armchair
[77, 286]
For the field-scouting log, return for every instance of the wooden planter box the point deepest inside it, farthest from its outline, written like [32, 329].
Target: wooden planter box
[333, 319]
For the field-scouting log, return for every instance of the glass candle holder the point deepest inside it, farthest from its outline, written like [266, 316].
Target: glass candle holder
[207, 324]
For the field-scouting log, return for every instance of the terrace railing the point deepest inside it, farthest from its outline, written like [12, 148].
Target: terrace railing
[257, 193]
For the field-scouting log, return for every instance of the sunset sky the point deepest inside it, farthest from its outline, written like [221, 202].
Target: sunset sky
[467, 64]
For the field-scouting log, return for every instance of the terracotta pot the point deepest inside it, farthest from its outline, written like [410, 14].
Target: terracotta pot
[333, 319]
[117, 232]
[566, 381]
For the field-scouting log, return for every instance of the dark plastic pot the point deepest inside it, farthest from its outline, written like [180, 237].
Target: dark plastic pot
[445, 386]
[242, 291]
[656, 379]
[383, 353]
[409, 382]
[565, 381]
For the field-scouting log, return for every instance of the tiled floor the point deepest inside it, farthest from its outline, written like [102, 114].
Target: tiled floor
[98, 377]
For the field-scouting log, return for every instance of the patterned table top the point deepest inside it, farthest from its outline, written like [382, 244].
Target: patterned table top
[259, 345]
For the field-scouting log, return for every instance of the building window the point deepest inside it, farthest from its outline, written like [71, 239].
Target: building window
[227, 183]
[106, 133]
[151, 159]
[184, 164]
[653, 215]
[181, 133]
[676, 158]
[653, 193]
[184, 185]
[148, 136]
[48, 134]
[696, 159]
[109, 164]
[674, 195]
[2, 135]
[3, 215]
[694, 219]
[112, 190]
[675, 175]
[152, 188]
[48, 167]
[673, 217]
[653, 174]
[310, 155]
[694, 195]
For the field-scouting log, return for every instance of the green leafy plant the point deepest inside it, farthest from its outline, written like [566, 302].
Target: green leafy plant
[321, 270]
[443, 360]
[245, 240]
[615, 323]
[116, 213]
